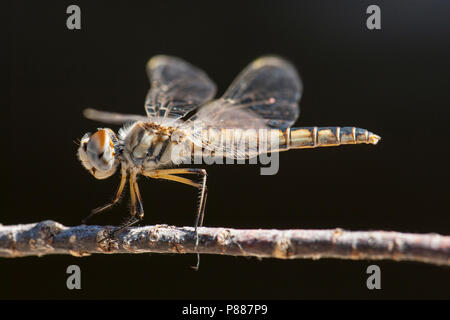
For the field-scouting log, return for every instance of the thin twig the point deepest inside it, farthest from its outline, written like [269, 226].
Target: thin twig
[49, 237]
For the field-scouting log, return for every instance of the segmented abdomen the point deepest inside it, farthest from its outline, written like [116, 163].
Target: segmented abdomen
[247, 143]
[311, 137]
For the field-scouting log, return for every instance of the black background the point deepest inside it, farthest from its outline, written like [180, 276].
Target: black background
[394, 82]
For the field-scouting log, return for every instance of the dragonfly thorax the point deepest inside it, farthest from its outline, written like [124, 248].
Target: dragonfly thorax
[149, 145]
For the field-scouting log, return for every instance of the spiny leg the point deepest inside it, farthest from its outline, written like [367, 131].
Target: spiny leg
[169, 174]
[115, 200]
[137, 209]
[203, 197]
[138, 206]
[200, 214]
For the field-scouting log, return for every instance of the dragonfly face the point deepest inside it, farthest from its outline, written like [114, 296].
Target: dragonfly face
[97, 153]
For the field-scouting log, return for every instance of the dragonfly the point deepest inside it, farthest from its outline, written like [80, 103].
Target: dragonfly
[264, 96]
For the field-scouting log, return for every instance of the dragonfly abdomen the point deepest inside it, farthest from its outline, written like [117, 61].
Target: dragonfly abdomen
[312, 137]
[248, 143]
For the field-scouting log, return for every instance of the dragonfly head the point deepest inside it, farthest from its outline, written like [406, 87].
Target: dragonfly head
[97, 153]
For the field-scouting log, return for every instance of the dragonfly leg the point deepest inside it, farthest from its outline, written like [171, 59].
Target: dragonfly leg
[137, 209]
[170, 174]
[115, 200]
[132, 221]
[200, 213]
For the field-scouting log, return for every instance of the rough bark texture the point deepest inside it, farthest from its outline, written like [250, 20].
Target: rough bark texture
[49, 237]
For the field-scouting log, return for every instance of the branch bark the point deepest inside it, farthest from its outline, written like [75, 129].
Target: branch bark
[49, 237]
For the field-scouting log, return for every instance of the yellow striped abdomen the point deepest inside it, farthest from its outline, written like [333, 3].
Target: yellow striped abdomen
[247, 143]
[311, 137]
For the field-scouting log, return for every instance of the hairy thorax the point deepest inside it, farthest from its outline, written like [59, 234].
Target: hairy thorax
[149, 146]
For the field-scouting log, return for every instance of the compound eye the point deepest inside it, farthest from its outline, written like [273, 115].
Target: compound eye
[100, 150]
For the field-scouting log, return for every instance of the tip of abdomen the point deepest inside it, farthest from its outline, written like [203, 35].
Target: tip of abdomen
[373, 138]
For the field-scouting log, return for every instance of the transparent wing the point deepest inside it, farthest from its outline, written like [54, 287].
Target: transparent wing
[177, 87]
[112, 117]
[264, 95]
[267, 91]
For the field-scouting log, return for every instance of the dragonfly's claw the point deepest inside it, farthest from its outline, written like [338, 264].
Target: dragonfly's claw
[128, 224]
[110, 235]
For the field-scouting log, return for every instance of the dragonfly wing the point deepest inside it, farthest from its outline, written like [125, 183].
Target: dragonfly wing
[264, 95]
[223, 113]
[269, 89]
[112, 117]
[177, 87]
